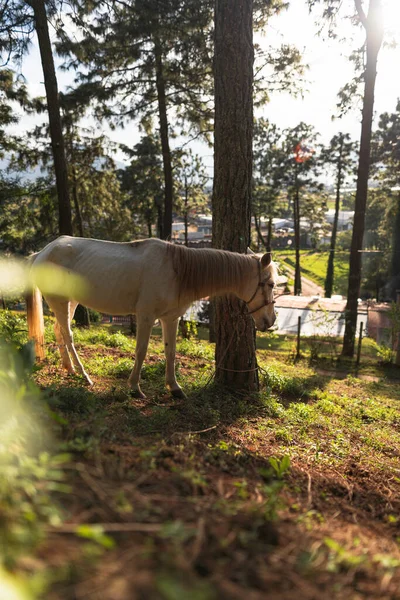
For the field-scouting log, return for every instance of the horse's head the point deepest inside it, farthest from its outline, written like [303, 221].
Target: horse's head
[261, 304]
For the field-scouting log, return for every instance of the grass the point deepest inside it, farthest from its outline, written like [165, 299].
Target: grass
[314, 265]
[292, 492]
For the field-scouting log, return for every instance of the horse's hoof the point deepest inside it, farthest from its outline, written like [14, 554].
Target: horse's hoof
[180, 394]
[137, 394]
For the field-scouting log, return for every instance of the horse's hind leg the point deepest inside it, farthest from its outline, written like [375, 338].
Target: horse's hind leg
[144, 326]
[63, 311]
[65, 357]
[170, 329]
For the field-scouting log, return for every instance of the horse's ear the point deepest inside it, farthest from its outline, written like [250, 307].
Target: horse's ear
[266, 260]
[249, 251]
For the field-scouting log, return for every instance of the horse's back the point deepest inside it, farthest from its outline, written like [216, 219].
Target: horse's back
[117, 274]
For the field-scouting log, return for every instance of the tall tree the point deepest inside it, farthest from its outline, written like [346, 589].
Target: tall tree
[372, 22]
[141, 58]
[340, 153]
[151, 59]
[373, 25]
[236, 363]
[300, 178]
[386, 169]
[53, 107]
[19, 20]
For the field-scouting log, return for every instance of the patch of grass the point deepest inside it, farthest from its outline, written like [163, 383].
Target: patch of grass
[295, 382]
[100, 336]
[195, 348]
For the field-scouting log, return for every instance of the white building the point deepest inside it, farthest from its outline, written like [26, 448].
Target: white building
[345, 220]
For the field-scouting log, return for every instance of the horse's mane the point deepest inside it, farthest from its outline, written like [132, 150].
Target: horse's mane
[205, 272]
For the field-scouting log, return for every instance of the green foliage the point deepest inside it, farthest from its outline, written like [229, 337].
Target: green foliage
[99, 335]
[314, 265]
[280, 466]
[28, 213]
[191, 178]
[188, 329]
[13, 328]
[274, 486]
[287, 383]
[142, 181]
[385, 354]
[341, 558]
[323, 338]
[29, 472]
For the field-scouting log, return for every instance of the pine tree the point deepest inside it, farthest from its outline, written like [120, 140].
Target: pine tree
[141, 59]
[341, 155]
[236, 364]
[18, 21]
[386, 168]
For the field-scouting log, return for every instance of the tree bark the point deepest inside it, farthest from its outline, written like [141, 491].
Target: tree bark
[236, 363]
[166, 151]
[78, 214]
[53, 107]
[185, 213]
[374, 32]
[331, 257]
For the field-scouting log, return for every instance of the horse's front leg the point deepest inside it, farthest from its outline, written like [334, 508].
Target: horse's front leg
[144, 326]
[170, 329]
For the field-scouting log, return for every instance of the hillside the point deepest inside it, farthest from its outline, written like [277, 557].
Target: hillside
[291, 494]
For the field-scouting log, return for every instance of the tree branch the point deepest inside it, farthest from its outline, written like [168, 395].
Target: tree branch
[361, 13]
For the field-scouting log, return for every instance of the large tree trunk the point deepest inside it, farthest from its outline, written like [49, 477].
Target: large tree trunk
[236, 364]
[166, 152]
[374, 29]
[53, 107]
[331, 257]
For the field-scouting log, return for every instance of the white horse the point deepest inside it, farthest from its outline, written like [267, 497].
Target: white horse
[152, 279]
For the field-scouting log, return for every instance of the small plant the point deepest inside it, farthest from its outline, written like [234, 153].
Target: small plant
[272, 490]
[280, 466]
[342, 559]
[323, 338]
[385, 354]
[187, 329]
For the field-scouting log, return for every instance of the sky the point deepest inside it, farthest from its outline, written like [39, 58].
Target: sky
[329, 69]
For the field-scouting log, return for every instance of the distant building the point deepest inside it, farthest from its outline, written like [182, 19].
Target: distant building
[345, 220]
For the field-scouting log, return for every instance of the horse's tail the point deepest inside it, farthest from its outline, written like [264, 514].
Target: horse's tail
[34, 313]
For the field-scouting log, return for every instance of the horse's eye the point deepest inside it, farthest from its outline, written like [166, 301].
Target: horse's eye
[271, 285]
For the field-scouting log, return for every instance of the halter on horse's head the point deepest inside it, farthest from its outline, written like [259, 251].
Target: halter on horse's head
[261, 303]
